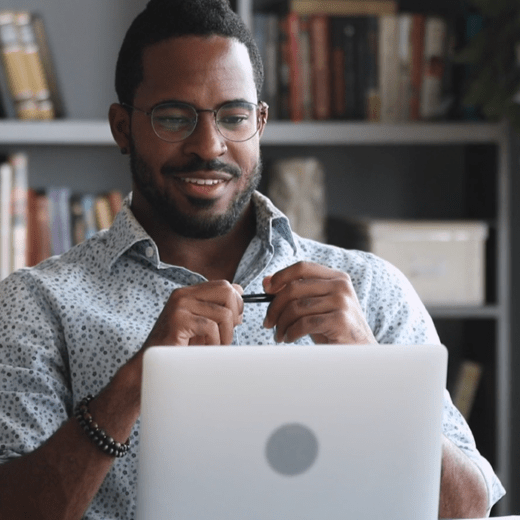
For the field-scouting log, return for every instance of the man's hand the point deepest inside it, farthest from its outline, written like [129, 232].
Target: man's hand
[313, 299]
[203, 314]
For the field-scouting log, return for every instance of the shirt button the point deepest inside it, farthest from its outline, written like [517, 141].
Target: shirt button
[149, 252]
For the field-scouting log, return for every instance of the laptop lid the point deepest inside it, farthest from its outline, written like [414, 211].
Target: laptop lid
[291, 432]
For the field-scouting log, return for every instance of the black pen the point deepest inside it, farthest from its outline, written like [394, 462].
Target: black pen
[257, 298]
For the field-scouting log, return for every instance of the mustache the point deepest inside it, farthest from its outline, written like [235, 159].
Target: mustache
[198, 164]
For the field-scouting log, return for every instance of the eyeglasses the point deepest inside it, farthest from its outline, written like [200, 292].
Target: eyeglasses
[236, 121]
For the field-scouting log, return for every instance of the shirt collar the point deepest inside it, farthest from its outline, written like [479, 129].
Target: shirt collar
[126, 232]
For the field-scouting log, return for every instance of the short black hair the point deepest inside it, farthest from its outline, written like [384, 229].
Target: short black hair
[163, 19]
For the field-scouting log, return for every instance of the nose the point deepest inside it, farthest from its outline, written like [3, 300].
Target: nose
[205, 141]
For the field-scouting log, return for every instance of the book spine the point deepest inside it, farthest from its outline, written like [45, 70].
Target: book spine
[373, 97]
[405, 67]
[59, 216]
[115, 199]
[344, 8]
[34, 66]
[350, 72]
[417, 61]
[388, 66]
[49, 68]
[89, 215]
[338, 106]
[15, 72]
[305, 68]
[39, 232]
[19, 210]
[434, 62]
[362, 52]
[77, 220]
[295, 71]
[284, 69]
[103, 212]
[320, 65]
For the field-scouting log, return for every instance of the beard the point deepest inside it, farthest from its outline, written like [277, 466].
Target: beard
[193, 226]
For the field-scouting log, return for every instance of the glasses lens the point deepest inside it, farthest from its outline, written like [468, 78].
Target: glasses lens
[173, 121]
[237, 121]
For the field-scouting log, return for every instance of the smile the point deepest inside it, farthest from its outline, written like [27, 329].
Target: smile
[202, 182]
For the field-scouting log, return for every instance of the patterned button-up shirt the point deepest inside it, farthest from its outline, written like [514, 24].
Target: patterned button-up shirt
[68, 324]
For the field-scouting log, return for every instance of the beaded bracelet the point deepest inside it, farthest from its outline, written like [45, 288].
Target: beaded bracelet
[96, 434]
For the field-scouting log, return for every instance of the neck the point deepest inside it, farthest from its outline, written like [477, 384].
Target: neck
[214, 258]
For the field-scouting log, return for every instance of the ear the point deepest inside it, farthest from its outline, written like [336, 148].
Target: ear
[264, 114]
[119, 119]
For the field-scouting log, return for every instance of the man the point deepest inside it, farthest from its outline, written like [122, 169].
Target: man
[190, 240]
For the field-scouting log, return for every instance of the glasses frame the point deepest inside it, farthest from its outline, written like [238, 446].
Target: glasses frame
[261, 108]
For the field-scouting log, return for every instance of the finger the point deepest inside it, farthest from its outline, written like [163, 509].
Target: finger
[299, 297]
[219, 292]
[196, 318]
[299, 270]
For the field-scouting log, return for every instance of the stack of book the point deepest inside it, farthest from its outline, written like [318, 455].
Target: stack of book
[353, 59]
[36, 224]
[28, 84]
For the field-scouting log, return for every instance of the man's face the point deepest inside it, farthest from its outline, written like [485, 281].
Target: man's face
[200, 186]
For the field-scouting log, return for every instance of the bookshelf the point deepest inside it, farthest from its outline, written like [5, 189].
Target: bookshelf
[401, 159]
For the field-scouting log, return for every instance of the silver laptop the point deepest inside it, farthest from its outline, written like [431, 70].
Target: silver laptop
[291, 433]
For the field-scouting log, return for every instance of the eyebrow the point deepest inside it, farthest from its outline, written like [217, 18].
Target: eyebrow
[234, 102]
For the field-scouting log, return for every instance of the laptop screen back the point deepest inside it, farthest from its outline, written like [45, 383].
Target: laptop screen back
[291, 433]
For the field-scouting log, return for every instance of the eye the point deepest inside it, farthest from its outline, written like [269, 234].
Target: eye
[173, 122]
[173, 118]
[235, 116]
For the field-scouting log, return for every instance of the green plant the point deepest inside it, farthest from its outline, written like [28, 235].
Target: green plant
[493, 56]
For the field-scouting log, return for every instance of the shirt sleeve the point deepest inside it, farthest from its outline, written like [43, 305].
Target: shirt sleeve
[396, 315]
[35, 398]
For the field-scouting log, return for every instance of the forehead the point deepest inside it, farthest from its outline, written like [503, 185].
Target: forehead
[203, 71]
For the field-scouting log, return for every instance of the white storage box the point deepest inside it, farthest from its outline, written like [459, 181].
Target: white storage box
[444, 260]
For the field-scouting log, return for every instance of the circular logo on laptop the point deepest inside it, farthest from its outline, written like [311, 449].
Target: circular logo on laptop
[291, 449]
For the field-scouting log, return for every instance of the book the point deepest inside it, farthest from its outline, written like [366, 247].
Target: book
[6, 179]
[59, 219]
[89, 215]
[344, 7]
[404, 94]
[466, 385]
[337, 60]
[77, 219]
[350, 40]
[49, 66]
[103, 212]
[19, 210]
[115, 199]
[304, 54]
[361, 66]
[283, 70]
[12, 60]
[372, 93]
[294, 56]
[435, 33]
[416, 72]
[320, 59]
[33, 64]
[389, 66]
[39, 232]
